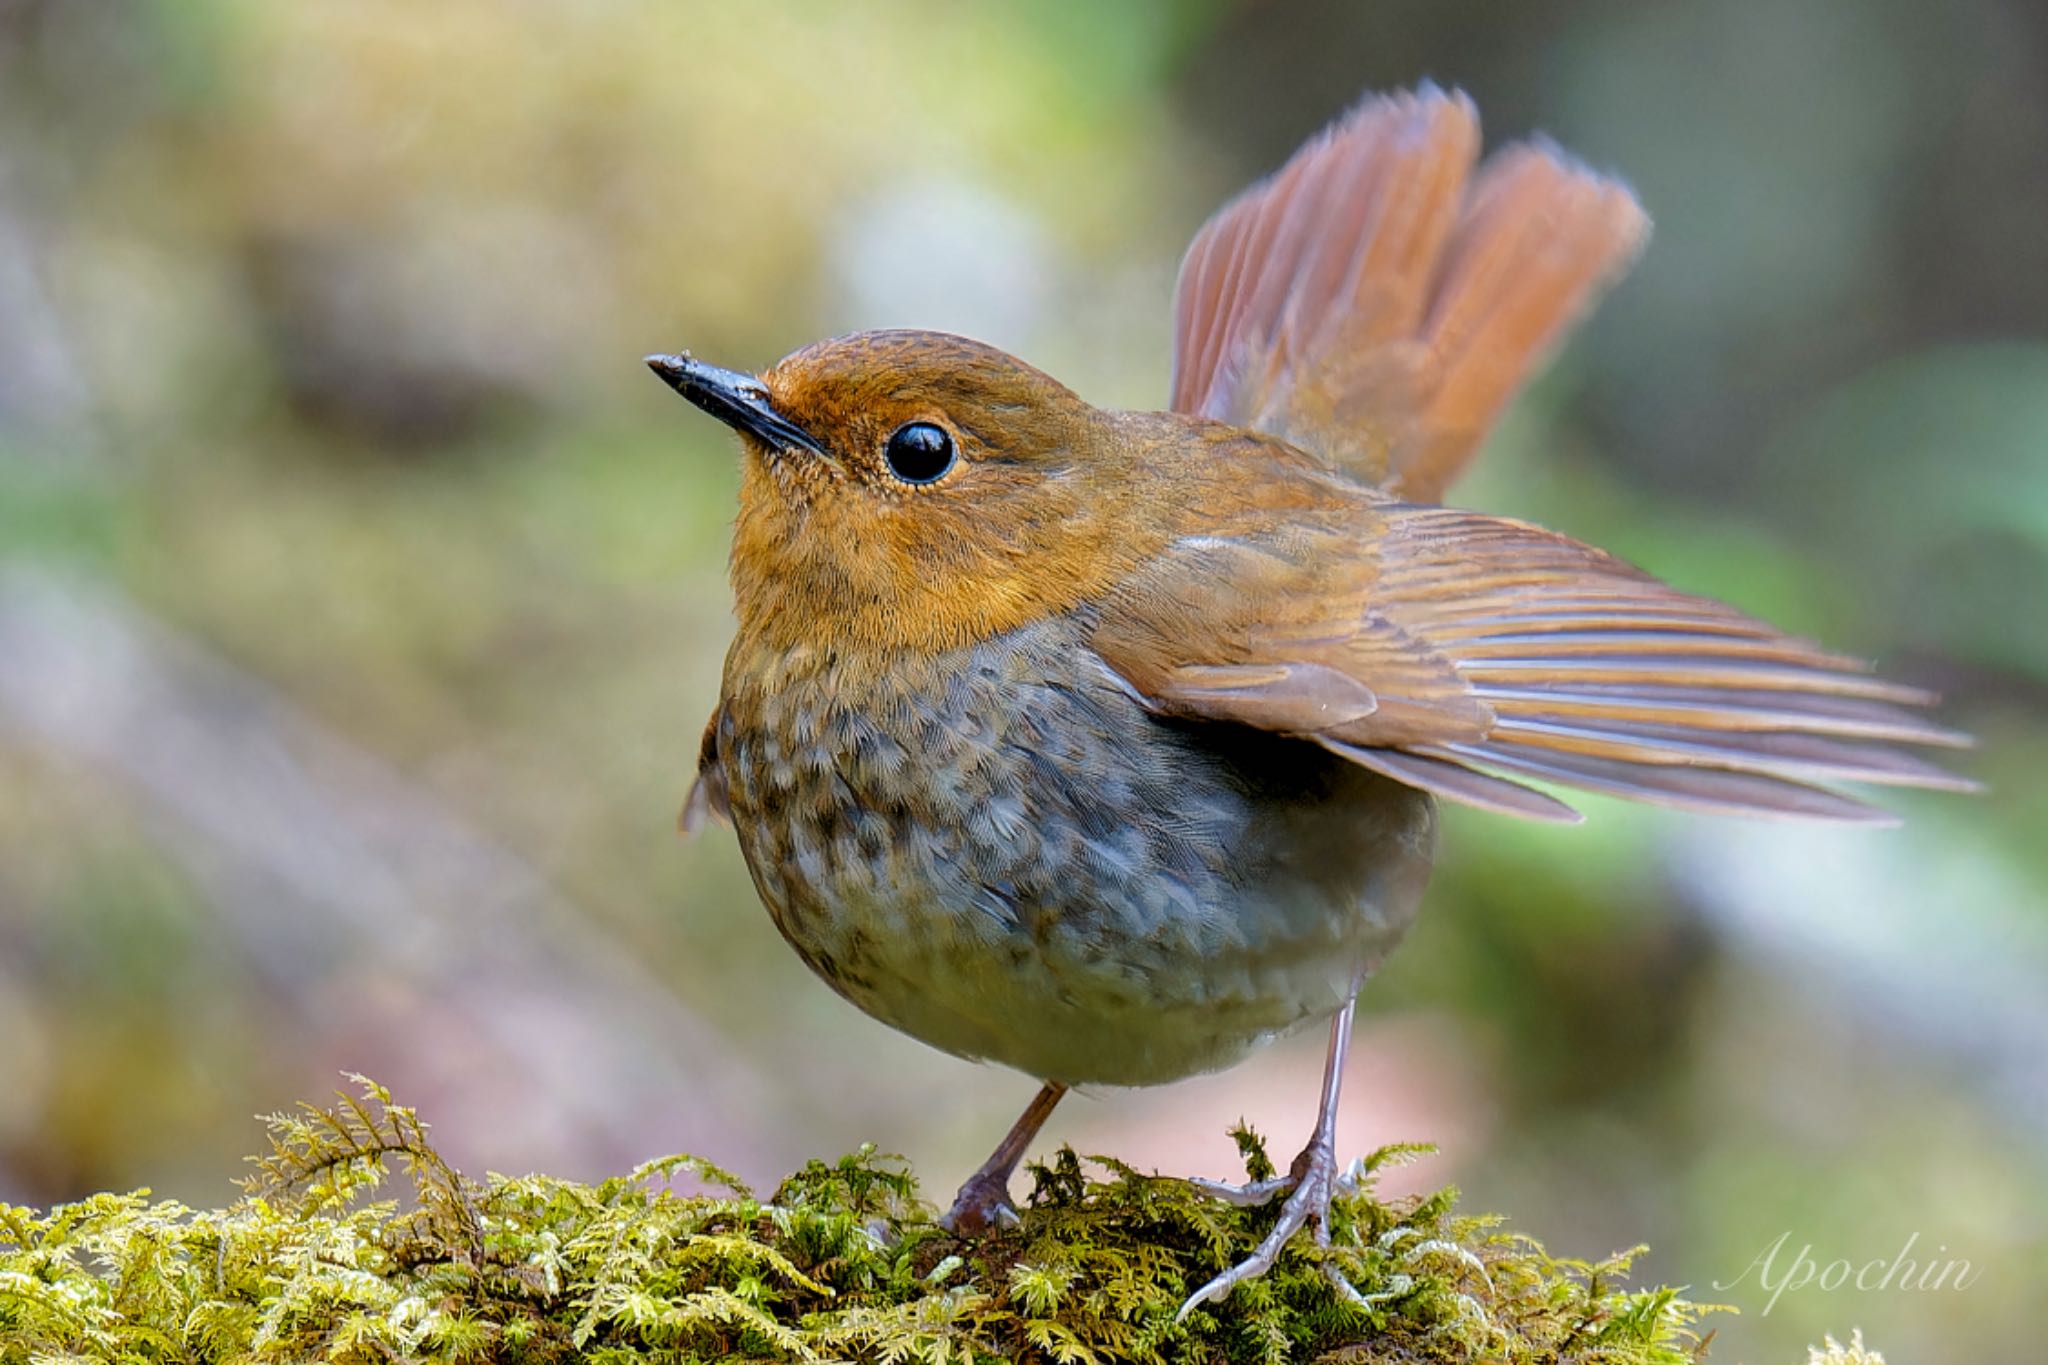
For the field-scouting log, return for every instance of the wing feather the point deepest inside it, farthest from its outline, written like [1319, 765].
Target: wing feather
[1453, 779]
[1712, 790]
[1376, 303]
[1469, 655]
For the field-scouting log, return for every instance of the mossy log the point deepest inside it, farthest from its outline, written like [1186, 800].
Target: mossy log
[678, 1261]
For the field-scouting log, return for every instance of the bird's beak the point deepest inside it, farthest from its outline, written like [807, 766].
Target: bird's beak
[738, 400]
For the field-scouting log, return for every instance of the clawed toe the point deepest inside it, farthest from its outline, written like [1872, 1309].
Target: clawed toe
[1315, 1180]
[1346, 1290]
[1248, 1195]
[1253, 1193]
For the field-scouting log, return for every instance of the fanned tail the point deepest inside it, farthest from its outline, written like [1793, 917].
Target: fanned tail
[1377, 304]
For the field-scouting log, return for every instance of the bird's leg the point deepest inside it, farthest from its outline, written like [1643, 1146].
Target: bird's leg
[1314, 1178]
[984, 1200]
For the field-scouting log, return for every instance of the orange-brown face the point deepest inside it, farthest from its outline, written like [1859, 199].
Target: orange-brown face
[914, 489]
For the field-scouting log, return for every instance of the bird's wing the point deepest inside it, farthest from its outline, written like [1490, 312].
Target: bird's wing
[710, 797]
[1467, 655]
[1378, 303]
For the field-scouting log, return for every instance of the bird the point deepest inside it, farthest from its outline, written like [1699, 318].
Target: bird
[1108, 745]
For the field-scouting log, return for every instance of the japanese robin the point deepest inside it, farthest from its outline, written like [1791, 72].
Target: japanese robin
[1107, 745]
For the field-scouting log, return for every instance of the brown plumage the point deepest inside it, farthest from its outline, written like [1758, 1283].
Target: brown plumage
[1377, 303]
[1102, 743]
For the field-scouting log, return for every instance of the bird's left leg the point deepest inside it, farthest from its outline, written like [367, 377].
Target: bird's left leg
[1314, 1178]
[984, 1200]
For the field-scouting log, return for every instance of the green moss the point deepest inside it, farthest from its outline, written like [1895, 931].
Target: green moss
[1832, 1352]
[842, 1262]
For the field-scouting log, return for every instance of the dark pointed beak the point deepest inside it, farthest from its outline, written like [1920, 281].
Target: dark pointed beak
[738, 400]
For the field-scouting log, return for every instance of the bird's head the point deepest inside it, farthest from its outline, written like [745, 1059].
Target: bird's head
[917, 489]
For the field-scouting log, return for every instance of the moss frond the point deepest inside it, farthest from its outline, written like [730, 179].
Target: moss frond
[842, 1262]
[1832, 1352]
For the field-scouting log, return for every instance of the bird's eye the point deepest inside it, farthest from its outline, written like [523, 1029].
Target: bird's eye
[920, 452]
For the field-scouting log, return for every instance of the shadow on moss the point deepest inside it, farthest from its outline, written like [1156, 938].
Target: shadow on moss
[842, 1262]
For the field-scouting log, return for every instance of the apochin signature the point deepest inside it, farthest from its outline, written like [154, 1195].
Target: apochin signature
[1901, 1272]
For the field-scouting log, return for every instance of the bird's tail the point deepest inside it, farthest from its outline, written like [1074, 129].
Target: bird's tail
[1378, 302]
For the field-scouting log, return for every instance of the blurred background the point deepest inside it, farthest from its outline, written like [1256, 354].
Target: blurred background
[362, 598]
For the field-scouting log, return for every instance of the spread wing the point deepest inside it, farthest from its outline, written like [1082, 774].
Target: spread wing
[1377, 303]
[1467, 655]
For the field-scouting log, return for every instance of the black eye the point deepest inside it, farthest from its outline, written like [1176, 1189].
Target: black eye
[920, 453]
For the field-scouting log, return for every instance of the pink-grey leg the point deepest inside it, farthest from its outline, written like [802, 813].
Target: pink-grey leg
[1314, 1179]
[984, 1201]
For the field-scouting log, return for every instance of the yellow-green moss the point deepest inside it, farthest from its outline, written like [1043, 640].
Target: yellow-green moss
[841, 1262]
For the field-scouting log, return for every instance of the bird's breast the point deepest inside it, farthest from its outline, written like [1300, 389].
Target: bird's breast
[998, 851]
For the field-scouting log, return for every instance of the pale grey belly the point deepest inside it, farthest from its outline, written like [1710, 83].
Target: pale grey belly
[1006, 857]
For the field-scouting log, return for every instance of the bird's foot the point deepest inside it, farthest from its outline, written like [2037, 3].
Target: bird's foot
[983, 1203]
[1314, 1180]
[1249, 1195]
[1253, 1193]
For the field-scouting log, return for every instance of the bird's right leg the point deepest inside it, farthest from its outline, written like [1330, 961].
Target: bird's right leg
[984, 1200]
[1312, 1183]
